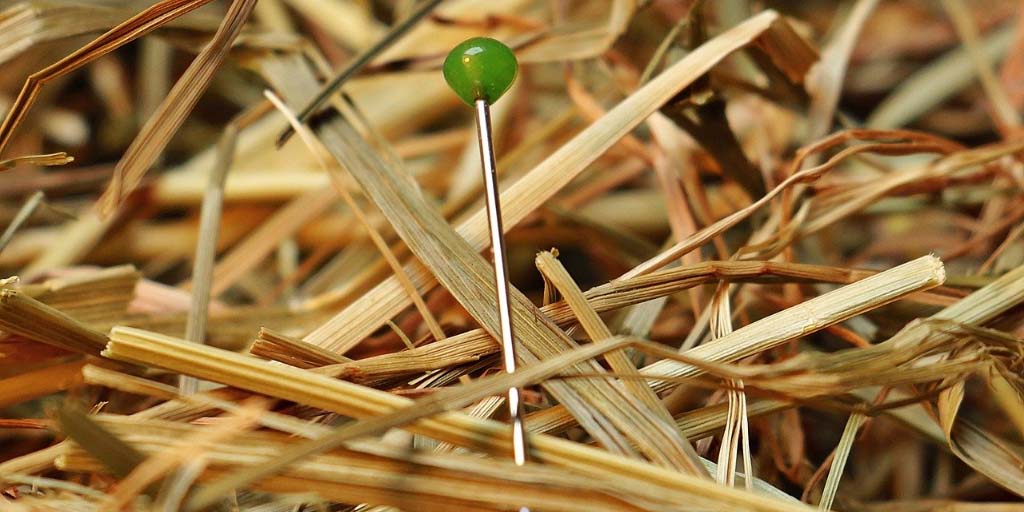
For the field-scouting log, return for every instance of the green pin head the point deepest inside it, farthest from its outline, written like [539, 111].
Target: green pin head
[480, 68]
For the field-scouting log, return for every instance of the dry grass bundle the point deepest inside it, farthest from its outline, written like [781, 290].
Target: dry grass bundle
[762, 259]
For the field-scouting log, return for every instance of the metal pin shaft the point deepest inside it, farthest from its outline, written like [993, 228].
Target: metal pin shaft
[515, 407]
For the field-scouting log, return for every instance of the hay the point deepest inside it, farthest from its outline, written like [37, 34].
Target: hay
[744, 297]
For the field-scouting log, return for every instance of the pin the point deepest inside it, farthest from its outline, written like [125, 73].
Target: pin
[480, 70]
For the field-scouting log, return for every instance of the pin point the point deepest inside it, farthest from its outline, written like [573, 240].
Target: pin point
[480, 70]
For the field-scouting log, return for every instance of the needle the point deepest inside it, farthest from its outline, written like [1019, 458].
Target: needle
[483, 123]
[480, 70]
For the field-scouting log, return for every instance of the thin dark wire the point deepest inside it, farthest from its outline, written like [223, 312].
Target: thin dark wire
[361, 61]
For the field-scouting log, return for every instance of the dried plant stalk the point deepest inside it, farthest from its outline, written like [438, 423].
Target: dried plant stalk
[23, 214]
[618, 360]
[842, 452]
[36, 383]
[813, 315]
[133, 28]
[247, 254]
[942, 78]
[26, 24]
[472, 345]
[97, 298]
[1006, 115]
[309, 140]
[36, 321]
[77, 238]
[800, 320]
[280, 347]
[209, 226]
[448, 482]
[350, 399]
[170, 115]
